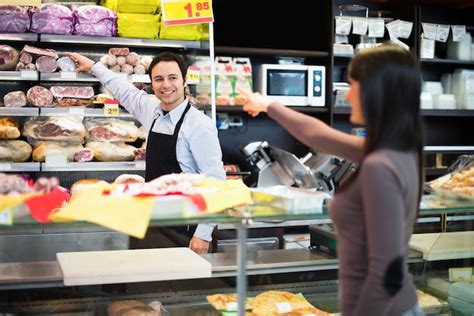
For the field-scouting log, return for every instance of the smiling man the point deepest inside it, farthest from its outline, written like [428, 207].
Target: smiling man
[180, 137]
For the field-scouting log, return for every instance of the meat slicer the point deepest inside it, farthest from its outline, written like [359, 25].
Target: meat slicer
[276, 166]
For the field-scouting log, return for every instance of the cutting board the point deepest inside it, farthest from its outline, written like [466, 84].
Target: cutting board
[444, 246]
[126, 266]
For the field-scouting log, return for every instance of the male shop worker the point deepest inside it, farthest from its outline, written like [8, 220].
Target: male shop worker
[180, 137]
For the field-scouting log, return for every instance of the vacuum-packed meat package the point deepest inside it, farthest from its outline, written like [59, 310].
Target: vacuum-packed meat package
[66, 64]
[39, 51]
[84, 155]
[104, 151]
[14, 150]
[95, 20]
[46, 64]
[78, 92]
[39, 96]
[110, 130]
[9, 128]
[52, 18]
[8, 57]
[14, 19]
[56, 128]
[68, 149]
[14, 99]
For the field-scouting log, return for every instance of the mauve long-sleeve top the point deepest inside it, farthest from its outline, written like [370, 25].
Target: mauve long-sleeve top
[374, 217]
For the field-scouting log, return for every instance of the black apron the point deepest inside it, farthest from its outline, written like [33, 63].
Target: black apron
[160, 160]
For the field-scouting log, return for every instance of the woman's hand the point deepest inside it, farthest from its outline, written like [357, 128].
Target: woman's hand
[256, 102]
[83, 64]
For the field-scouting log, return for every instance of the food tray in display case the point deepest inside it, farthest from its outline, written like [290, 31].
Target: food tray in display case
[289, 199]
[430, 304]
[458, 184]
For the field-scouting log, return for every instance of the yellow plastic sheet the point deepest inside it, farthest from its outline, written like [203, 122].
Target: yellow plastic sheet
[138, 25]
[188, 32]
[138, 6]
[128, 215]
[9, 201]
[229, 193]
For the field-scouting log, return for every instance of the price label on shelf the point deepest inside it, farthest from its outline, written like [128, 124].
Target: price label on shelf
[6, 217]
[5, 166]
[68, 75]
[179, 12]
[193, 75]
[29, 74]
[140, 164]
[111, 108]
[77, 111]
[55, 160]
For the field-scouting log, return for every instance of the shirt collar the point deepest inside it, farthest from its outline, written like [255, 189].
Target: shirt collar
[176, 113]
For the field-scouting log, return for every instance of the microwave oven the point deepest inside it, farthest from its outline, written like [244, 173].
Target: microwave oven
[291, 84]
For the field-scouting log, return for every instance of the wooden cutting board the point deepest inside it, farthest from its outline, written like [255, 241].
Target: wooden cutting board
[444, 246]
[126, 266]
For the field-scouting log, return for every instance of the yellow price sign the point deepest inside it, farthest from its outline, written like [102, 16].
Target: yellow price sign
[180, 12]
[194, 74]
[111, 109]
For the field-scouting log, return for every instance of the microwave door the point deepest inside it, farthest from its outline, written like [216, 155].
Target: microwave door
[316, 85]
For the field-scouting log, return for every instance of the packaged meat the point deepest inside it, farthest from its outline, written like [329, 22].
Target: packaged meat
[40, 51]
[26, 58]
[14, 184]
[133, 59]
[14, 150]
[112, 151]
[8, 57]
[140, 154]
[9, 128]
[68, 102]
[86, 184]
[84, 155]
[78, 92]
[52, 18]
[119, 51]
[14, 19]
[68, 149]
[39, 96]
[66, 64]
[46, 64]
[94, 20]
[55, 128]
[14, 99]
[129, 178]
[110, 130]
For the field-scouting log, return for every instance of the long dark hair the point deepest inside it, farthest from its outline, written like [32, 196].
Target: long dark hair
[390, 85]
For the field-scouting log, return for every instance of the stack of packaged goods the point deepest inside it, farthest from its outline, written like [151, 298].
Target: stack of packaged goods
[136, 18]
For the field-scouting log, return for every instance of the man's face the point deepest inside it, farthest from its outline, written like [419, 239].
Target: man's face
[168, 84]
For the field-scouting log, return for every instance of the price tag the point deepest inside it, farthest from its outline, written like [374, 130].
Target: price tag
[284, 307]
[111, 109]
[179, 12]
[76, 111]
[140, 164]
[29, 74]
[5, 166]
[68, 75]
[460, 274]
[6, 217]
[56, 160]
[193, 75]
[231, 306]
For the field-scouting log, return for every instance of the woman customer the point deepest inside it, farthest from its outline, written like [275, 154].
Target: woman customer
[375, 211]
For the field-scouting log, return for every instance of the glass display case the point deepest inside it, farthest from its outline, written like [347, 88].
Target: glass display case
[439, 260]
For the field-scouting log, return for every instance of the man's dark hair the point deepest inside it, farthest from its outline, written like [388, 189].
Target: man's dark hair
[169, 56]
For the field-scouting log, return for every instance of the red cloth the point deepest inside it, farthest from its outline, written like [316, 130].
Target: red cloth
[41, 206]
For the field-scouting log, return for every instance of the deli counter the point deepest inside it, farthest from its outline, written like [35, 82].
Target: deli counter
[33, 280]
